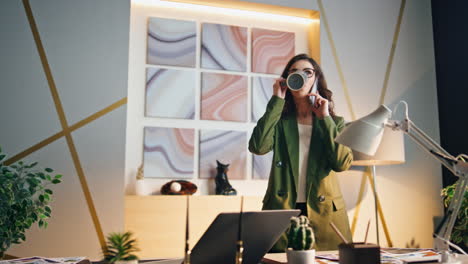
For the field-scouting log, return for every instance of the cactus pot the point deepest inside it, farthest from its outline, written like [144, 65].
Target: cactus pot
[300, 256]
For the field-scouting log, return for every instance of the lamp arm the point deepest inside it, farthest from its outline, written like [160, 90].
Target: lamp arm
[424, 141]
[457, 167]
[445, 228]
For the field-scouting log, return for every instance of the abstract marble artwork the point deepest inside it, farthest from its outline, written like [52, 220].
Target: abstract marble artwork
[170, 93]
[229, 147]
[168, 152]
[262, 166]
[224, 47]
[262, 90]
[223, 97]
[171, 42]
[271, 50]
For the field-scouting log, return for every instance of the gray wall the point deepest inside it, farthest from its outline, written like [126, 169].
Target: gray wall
[86, 43]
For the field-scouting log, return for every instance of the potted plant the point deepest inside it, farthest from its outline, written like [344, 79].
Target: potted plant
[459, 234]
[301, 239]
[24, 200]
[120, 247]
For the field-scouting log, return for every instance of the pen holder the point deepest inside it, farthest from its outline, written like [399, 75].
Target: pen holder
[358, 253]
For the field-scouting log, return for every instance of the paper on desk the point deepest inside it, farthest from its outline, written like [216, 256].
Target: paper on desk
[42, 260]
[416, 255]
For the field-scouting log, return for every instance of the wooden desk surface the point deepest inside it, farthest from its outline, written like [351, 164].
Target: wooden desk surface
[276, 258]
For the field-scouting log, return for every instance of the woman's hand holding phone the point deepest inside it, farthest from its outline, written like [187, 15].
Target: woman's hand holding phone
[320, 108]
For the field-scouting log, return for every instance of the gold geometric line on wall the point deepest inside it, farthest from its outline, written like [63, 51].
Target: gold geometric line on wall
[392, 51]
[350, 105]
[34, 148]
[396, 34]
[337, 61]
[348, 99]
[98, 114]
[381, 215]
[359, 200]
[62, 133]
[382, 98]
[63, 122]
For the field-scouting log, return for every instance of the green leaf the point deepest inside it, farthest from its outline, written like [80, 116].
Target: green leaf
[32, 165]
[41, 198]
[58, 176]
[49, 191]
[49, 170]
[2, 157]
[55, 181]
[47, 209]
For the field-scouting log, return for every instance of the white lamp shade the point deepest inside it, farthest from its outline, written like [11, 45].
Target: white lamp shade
[364, 134]
[390, 151]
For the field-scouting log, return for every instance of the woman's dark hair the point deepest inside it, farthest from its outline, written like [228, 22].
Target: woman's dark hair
[290, 106]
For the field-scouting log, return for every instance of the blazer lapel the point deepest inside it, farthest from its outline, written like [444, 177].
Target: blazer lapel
[291, 135]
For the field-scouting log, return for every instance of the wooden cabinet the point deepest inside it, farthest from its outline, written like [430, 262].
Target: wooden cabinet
[158, 222]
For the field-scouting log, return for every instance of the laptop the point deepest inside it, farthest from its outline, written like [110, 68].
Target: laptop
[260, 231]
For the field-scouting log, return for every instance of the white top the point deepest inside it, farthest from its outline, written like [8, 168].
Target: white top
[305, 132]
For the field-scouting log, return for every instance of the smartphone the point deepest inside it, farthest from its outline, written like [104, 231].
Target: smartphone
[314, 90]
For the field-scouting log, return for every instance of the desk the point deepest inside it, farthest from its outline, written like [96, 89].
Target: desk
[280, 258]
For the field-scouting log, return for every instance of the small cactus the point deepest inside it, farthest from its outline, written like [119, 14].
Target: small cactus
[300, 234]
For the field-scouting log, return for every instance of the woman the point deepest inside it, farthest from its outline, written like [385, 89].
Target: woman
[305, 155]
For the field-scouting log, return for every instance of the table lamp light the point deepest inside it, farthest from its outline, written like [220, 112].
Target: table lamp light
[390, 151]
[364, 135]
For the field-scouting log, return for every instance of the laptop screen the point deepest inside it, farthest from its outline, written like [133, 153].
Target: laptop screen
[260, 230]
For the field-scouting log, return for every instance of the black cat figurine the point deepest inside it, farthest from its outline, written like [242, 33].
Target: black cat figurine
[223, 187]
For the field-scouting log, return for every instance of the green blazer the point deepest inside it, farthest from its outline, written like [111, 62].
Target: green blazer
[325, 202]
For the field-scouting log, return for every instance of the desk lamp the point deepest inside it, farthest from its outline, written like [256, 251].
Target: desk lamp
[390, 151]
[364, 135]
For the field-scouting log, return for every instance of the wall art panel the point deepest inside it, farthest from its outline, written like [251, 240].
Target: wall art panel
[224, 97]
[271, 50]
[171, 42]
[224, 47]
[168, 152]
[262, 90]
[170, 93]
[262, 166]
[227, 147]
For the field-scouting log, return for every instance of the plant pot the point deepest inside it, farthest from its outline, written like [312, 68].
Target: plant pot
[300, 256]
[135, 261]
[141, 187]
